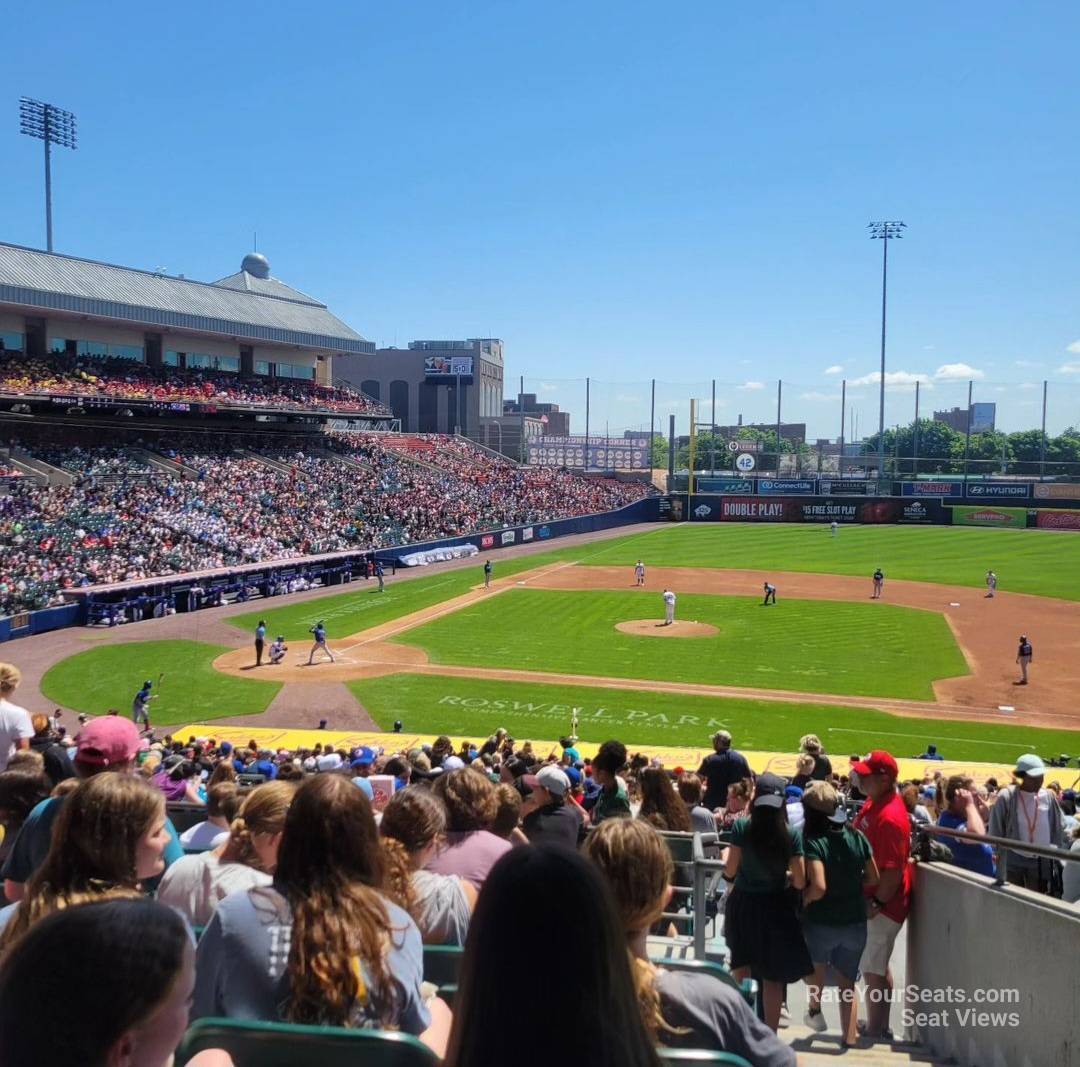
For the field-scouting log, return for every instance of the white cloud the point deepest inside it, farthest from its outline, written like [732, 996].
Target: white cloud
[836, 368]
[815, 395]
[957, 372]
[1026, 363]
[1028, 385]
[548, 387]
[895, 380]
[752, 385]
[1069, 368]
[929, 348]
[1074, 348]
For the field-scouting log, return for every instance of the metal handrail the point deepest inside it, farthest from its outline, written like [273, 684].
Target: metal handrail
[1003, 845]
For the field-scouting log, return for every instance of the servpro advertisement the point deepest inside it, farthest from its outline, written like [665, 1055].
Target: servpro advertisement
[1015, 518]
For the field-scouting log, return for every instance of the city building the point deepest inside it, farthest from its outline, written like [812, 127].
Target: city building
[554, 420]
[248, 324]
[433, 386]
[504, 434]
[983, 418]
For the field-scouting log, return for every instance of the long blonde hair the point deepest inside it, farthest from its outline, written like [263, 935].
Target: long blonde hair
[262, 812]
[331, 871]
[637, 866]
[93, 851]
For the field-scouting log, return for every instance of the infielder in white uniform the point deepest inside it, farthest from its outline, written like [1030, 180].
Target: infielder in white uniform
[639, 573]
[669, 607]
[991, 584]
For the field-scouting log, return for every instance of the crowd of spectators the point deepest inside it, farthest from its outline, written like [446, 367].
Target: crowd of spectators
[318, 875]
[123, 379]
[122, 520]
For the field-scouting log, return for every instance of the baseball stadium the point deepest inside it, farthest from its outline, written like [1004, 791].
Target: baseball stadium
[509, 557]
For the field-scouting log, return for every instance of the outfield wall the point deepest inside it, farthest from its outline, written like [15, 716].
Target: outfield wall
[826, 509]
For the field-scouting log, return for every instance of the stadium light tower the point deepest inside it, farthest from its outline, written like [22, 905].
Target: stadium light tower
[54, 126]
[884, 231]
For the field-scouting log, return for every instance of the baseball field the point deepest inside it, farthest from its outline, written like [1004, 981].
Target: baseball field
[932, 661]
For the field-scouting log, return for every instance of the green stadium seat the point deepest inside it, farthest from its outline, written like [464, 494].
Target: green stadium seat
[290, 1045]
[442, 964]
[701, 1055]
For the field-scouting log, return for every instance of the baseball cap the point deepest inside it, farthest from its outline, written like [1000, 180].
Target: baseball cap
[573, 776]
[793, 792]
[363, 756]
[106, 741]
[1030, 766]
[330, 762]
[878, 762]
[821, 796]
[453, 763]
[550, 778]
[769, 791]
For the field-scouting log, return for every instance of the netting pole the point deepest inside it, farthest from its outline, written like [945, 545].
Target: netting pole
[690, 463]
[521, 420]
[779, 394]
[967, 438]
[652, 425]
[712, 432]
[843, 413]
[915, 434]
[586, 424]
[1042, 442]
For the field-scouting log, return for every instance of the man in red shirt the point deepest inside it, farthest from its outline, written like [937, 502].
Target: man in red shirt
[884, 820]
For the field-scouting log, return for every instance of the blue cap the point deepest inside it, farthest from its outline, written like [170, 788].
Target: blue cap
[363, 756]
[793, 792]
[365, 787]
[573, 774]
[226, 747]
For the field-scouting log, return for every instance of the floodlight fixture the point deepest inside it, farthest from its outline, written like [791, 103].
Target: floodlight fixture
[54, 126]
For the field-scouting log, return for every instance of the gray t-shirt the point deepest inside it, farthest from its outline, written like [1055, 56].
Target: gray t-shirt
[443, 908]
[241, 965]
[702, 821]
[195, 885]
[718, 1018]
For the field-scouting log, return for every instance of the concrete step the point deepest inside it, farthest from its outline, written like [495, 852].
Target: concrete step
[816, 1050]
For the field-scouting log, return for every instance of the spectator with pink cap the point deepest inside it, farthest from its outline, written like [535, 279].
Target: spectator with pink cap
[106, 744]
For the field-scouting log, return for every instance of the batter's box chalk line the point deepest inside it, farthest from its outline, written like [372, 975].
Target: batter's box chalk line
[1006, 708]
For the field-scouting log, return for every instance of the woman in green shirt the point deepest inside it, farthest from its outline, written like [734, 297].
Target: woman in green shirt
[761, 923]
[839, 862]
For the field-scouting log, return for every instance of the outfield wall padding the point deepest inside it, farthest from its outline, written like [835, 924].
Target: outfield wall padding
[817, 509]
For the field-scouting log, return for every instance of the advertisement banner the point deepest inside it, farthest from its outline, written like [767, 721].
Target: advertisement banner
[448, 366]
[506, 537]
[846, 487]
[933, 489]
[527, 534]
[749, 509]
[999, 490]
[789, 487]
[823, 511]
[1015, 518]
[1057, 520]
[487, 541]
[1057, 491]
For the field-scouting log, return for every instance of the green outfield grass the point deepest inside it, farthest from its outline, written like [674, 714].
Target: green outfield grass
[1042, 562]
[815, 646]
[429, 705]
[191, 691]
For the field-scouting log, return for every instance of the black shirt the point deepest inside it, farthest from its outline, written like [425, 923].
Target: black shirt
[555, 824]
[822, 767]
[721, 770]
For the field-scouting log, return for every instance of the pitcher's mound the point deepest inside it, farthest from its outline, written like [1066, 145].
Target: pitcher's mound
[655, 628]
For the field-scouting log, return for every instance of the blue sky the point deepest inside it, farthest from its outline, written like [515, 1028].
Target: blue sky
[622, 190]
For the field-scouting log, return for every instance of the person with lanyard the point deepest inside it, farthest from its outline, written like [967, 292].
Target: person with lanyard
[879, 583]
[140, 706]
[260, 641]
[1023, 657]
[1026, 812]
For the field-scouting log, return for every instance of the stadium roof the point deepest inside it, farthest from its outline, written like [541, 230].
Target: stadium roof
[249, 304]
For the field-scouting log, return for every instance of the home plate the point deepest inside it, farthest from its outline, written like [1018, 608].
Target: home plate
[1006, 708]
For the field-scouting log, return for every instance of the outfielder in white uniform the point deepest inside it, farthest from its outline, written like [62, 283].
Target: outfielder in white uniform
[639, 573]
[669, 607]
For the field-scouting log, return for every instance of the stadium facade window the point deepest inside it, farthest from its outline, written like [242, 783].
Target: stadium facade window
[95, 349]
[203, 361]
[295, 370]
[262, 366]
[171, 359]
[12, 342]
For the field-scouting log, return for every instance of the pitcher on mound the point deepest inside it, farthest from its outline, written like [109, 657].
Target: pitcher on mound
[669, 607]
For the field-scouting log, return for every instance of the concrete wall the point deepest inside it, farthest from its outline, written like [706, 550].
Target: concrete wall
[968, 939]
[80, 330]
